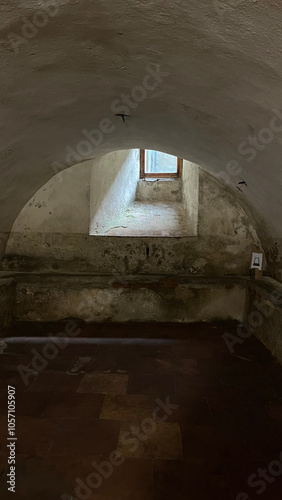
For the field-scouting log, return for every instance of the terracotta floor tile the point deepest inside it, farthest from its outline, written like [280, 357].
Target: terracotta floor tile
[104, 360]
[180, 480]
[136, 363]
[86, 436]
[133, 480]
[150, 440]
[35, 435]
[225, 422]
[184, 366]
[73, 405]
[202, 445]
[128, 407]
[195, 410]
[226, 399]
[154, 385]
[62, 363]
[238, 475]
[55, 381]
[191, 386]
[103, 383]
[43, 477]
[28, 404]
[129, 446]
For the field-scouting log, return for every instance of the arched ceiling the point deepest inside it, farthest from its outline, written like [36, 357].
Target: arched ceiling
[223, 76]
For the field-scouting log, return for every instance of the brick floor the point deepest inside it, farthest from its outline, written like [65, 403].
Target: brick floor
[189, 420]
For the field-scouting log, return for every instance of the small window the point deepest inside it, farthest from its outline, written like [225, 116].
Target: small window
[156, 164]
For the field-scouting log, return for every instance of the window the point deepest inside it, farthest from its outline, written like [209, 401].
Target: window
[157, 164]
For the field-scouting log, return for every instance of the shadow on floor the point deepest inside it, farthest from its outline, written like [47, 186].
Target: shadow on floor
[188, 419]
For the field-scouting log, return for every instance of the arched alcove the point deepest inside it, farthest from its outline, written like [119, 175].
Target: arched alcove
[53, 230]
[122, 203]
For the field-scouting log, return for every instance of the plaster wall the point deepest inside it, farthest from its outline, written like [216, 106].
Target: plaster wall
[113, 187]
[226, 238]
[190, 192]
[161, 190]
[60, 206]
[212, 92]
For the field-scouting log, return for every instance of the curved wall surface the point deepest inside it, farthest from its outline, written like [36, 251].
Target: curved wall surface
[202, 81]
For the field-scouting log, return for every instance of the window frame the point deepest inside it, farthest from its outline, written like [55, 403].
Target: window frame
[154, 175]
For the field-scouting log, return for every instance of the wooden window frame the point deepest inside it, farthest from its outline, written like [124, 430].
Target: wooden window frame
[144, 175]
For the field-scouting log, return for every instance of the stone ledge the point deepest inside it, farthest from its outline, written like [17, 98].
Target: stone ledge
[126, 280]
[139, 299]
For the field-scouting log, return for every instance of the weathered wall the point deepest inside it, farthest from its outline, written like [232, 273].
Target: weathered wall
[225, 241]
[190, 189]
[61, 206]
[161, 190]
[208, 91]
[82, 253]
[3, 242]
[273, 251]
[113, 187]
[264, 316]
[107, 299]
[7, 302]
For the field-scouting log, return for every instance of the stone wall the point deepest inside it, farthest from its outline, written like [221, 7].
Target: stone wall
[109, 298]
[112, 188]
[264, 317]
[190, 178]
[211, 256]
[3, 242]
[161, 190]
[7, 302]
[226, 238]
[273, 253]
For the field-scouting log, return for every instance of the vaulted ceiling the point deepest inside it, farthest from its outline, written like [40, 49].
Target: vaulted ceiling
[218, 75]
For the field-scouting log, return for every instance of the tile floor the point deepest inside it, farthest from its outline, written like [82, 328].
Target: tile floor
[181, 420]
